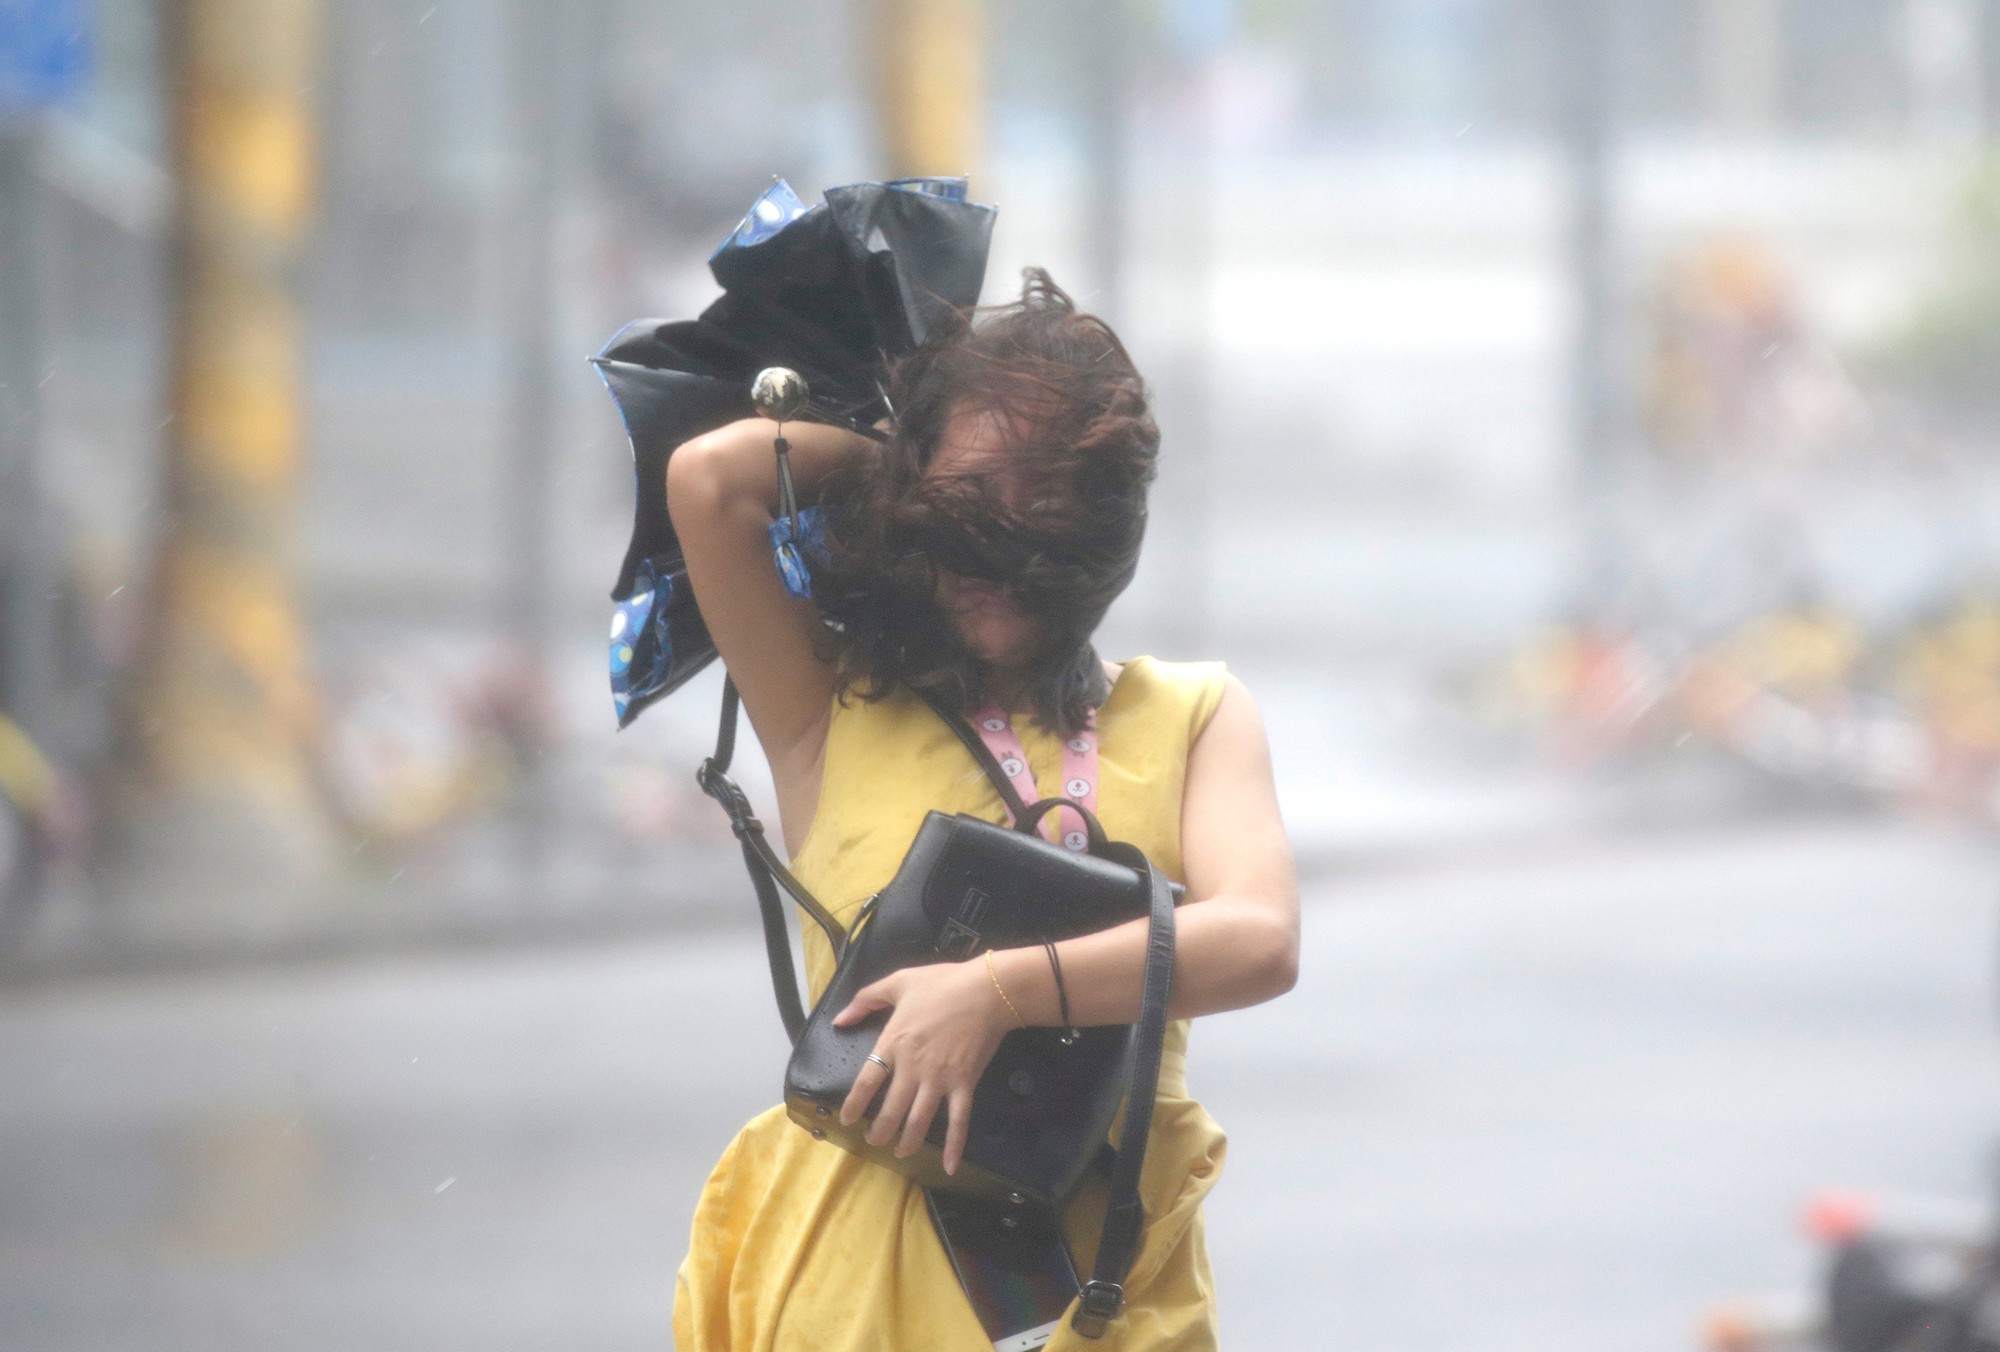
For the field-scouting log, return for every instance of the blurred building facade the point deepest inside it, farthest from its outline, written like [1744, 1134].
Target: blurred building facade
[691, 106]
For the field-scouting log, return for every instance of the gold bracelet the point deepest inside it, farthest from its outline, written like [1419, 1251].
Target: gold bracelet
[1003, 990]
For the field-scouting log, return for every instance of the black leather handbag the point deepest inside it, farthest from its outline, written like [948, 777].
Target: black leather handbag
[1043, 1109]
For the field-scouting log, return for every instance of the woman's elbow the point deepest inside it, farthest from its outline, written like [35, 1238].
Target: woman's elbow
[706, 481]
[1274, 957]
[1251, 959]
[1281, 959]
[694, 474]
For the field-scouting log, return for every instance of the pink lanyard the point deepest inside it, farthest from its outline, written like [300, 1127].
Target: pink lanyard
[1079, 768]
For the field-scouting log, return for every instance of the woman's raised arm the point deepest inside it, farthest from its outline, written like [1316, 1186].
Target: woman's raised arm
[722, 492]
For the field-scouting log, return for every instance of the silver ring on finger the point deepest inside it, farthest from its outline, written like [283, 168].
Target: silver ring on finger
[878, 1061]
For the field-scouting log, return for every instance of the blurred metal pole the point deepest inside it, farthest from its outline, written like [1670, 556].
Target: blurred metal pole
[541, 78]
[1198, 31]
[1742, 55]
[930, 83]
[1197, 428]
[1987, 13]
[1585, 51]
[525, 605]
[220, 714]
[1943, 50]
[45, 58]
[1107, 70]
[27, 580]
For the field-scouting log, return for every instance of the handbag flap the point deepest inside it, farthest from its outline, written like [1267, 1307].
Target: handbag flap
[993, 887]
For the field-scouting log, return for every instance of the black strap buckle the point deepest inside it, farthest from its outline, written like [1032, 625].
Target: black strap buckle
[710, 777]
[1097, 1305]
[718, 785]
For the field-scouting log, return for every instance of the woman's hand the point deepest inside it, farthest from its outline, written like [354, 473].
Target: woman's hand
[948, 1021]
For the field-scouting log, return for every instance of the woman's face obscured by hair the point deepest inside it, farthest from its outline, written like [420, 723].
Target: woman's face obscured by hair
[988, 622]
[1003, 517]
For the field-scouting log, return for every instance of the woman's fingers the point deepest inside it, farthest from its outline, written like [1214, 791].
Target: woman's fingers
[935, 1044]
[902, 1089]
[958, 1109]
[881, 995]
[922, 1109]
[863, 1093]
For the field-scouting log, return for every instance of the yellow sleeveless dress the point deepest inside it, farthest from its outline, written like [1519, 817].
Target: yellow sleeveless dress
[799, 1246]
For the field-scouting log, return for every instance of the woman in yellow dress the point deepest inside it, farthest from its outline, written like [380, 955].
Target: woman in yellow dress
[972, 555]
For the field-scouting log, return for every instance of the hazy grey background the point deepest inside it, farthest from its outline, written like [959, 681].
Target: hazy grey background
[1644, 788]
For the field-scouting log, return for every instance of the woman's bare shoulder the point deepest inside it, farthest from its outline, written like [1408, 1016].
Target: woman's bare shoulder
[1197, 688]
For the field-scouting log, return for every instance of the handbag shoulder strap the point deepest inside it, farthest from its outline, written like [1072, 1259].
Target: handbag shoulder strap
[1103, 1296]
[1017, 810]
[767, 872]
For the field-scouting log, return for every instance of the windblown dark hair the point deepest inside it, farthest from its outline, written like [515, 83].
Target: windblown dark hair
[1058, 524]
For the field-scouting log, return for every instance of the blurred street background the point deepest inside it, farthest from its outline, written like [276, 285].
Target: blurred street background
[1581, 431]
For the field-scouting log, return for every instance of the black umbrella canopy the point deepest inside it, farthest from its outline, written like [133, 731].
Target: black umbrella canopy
[835, 291]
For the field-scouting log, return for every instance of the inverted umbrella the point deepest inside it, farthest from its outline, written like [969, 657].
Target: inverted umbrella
[835, 292]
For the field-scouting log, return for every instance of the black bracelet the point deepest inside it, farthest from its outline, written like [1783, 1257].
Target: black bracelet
[1070, 1032]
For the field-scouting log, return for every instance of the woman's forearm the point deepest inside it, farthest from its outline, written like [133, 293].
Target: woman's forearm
[1229, 953]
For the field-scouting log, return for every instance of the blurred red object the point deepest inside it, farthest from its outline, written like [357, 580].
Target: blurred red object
[1837, 1217]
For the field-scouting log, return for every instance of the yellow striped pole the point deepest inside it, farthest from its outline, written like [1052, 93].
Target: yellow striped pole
[930, 84]
[220, 713]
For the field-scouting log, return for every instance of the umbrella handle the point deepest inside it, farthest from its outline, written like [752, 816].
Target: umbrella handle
[788, 498]
[780, 393]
